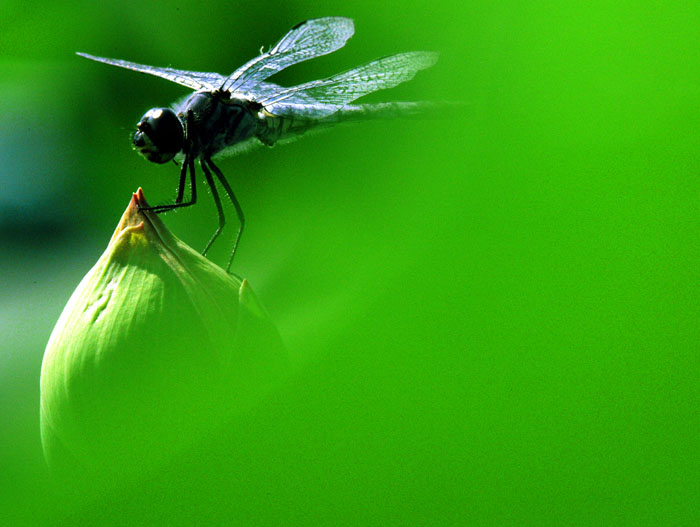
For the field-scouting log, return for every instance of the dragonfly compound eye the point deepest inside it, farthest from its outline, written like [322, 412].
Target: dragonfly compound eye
[159, 135]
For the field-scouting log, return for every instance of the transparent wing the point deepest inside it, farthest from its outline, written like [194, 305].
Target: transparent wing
[192, 79]
[261, 90]
[305, 41]
[318, 99]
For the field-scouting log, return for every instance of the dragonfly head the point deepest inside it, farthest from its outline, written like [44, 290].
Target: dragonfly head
[159, 135]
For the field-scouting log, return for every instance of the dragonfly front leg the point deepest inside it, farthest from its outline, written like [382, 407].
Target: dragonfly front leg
[187, 164]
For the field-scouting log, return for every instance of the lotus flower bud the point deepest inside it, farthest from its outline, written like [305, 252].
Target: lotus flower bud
[155, 351]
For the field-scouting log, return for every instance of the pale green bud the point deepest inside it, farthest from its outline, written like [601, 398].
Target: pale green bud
[156, 350]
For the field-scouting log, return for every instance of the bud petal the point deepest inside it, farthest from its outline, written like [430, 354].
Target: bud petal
[156, 349]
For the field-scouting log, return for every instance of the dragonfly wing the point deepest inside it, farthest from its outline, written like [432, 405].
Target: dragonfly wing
[318, 99]
[262, 90]
[305, 41]
[192, 79]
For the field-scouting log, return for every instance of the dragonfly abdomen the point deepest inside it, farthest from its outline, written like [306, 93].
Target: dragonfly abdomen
[273, 128]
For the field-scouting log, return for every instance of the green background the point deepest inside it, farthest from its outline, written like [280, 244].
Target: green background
[493, 317]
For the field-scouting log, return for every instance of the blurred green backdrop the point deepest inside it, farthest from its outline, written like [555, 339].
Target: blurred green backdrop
[493, 317]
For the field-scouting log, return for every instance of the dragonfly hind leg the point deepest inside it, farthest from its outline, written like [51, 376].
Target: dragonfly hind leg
[239, 211]
[217, 201]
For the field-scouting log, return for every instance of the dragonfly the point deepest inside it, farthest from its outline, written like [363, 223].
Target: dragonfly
[227, 114]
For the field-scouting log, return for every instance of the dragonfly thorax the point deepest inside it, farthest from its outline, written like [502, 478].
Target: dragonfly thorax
[217, 121]
[159, 135]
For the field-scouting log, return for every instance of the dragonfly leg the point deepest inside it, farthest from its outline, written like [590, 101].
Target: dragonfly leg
[187, 165]
[232, 197]
[217, 200]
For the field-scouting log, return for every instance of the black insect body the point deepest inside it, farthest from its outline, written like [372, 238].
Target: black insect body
[232, 112]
